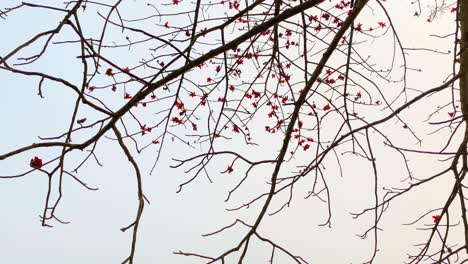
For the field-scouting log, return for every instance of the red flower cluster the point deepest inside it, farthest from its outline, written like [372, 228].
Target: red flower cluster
[109, 72]
[358, 27]
[177, 120]
[36, 163]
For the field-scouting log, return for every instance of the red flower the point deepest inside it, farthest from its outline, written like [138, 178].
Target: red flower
[318, 28]
[358, 27]
[127, 96]
[256, 94]
[382, 24]
[175, 2]
[326, 107]
[126, 70]
[229, 169]
[179, 105]
[377, 102]
[451, 114]
[166, 24]
[313, 18]
[109, 72]
[36, 163]
[436, 218]
[176, 120]
[218, 68]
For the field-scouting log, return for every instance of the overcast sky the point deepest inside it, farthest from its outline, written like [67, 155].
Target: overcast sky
[176, 221]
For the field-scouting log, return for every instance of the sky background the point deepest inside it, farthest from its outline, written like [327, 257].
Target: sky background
[175, 221]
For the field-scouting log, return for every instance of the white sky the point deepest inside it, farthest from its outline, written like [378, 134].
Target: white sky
[176, 221]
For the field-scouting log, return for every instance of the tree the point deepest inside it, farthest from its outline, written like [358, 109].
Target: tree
[301, 94]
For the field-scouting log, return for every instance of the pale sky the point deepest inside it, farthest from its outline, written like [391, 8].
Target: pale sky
[176, 221]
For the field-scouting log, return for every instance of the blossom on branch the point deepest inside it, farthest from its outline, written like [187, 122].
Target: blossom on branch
[109, 72]
[36, 163]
